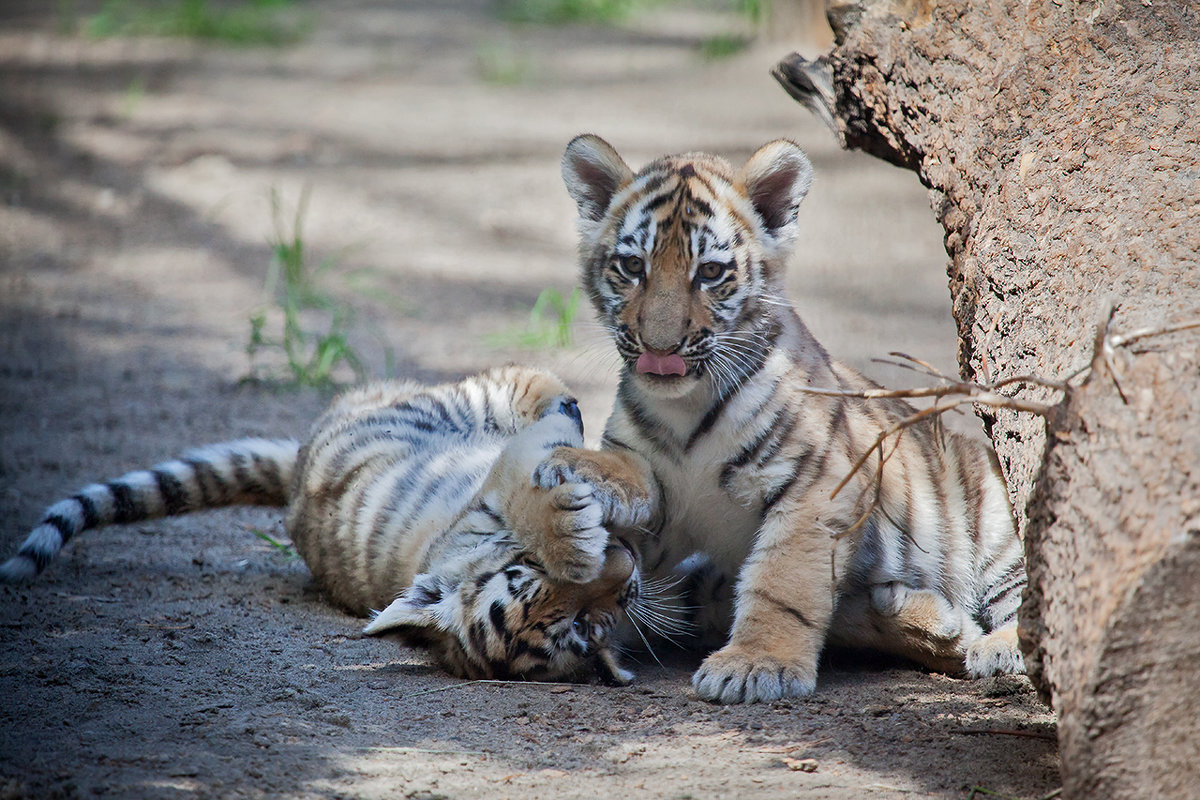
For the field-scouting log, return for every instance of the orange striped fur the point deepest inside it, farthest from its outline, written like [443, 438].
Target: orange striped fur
[684, 263]
[419, 501]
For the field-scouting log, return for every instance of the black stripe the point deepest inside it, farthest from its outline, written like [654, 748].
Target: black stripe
[1013, 577]
[699, 205]
[247, 481]
[62, 525]
[240, 477]
[776, 444]
[477, 638]
[40, 560]
[438, 407]
[520, 647]
[206, 471]
[710, 418]
[125, 504]
[657, 203]
[460, 405]
[173, 494]
[608, 441]
[782, 606]
[647, 426]
[775, 496]
[198, 467]
[269, 469]
[496, 615]
[493, 514]
[750, 450]
[91, 518]
[402, 485]
[490, 424]
[419, 420]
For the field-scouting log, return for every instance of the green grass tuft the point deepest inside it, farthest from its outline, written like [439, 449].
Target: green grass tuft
[250, 22]
[312, 356]
[754, 10]
[555, 12]
[283, 548]
[502, 64]
[723, 46]
[550, 323]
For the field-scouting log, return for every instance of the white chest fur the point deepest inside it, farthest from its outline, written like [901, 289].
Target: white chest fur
[701, 513]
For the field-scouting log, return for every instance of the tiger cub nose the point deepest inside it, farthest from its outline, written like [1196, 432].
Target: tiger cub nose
[618, 567]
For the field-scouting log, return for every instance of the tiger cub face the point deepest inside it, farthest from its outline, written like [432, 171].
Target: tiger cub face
[683, 259]
[490, 610]
[510, 619]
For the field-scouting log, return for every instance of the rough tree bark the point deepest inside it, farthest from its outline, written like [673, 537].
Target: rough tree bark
[1060, 140]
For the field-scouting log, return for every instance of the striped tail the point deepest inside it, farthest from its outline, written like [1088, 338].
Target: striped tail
[242, 472]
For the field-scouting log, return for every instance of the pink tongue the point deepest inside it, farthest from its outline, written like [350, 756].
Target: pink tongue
[671, 364]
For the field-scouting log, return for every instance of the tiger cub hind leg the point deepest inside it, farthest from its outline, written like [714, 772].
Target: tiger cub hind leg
[996, 653]
[926, 622]
[925, 627]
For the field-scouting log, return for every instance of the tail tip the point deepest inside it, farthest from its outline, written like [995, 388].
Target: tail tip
[18, 569]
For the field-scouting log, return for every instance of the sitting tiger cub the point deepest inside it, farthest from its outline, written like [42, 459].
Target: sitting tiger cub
[684, 263]
[418, 501]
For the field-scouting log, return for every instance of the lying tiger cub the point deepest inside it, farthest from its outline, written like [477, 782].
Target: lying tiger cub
[418, 501]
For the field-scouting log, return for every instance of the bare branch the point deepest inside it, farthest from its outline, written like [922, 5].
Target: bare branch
[1125, 339]
[950, 394]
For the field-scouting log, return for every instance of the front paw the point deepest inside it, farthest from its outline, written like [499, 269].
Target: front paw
[572, 543]
[623, 499]
[734, 675]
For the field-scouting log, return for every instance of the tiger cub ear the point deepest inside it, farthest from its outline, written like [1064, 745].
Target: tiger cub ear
[775, 180]
[429, 603]
[593, 173]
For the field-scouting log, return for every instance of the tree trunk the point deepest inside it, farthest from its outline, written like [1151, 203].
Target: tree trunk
[1060, 141]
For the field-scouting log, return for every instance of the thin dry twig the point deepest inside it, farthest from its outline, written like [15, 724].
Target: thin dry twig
[485, 681]
[1049, 737]
[950, 394]
[1126, 339]
[423, 750]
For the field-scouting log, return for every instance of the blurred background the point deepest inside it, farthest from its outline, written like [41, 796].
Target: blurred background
[304, 192]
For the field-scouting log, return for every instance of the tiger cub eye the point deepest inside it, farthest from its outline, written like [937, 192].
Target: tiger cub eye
[711, 270]
[633, 266]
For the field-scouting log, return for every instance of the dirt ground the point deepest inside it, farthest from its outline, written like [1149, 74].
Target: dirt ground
[188, 658]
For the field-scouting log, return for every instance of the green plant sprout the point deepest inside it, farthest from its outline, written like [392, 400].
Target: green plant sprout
[283, 548]
[311, 356]
[247, 23]
[550, 322]
[723, 46]
[563, 11]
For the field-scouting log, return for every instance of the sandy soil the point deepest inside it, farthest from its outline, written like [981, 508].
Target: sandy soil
[187, 658]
